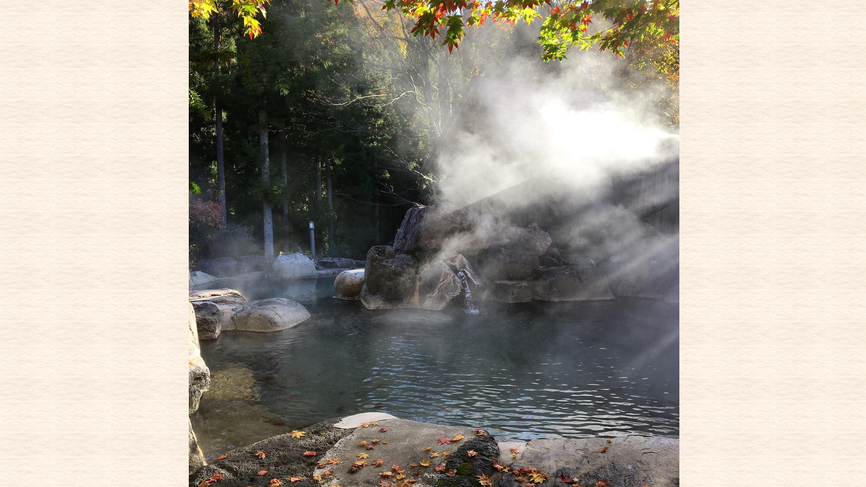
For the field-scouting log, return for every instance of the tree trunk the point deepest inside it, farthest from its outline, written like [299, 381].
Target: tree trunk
[266, 179]
[332, 241]
[318, 199]
[218, 114]
[285, 184]
[376, 195]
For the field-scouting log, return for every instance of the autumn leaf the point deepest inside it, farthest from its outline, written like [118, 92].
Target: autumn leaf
[565, 479]
[439, 468]
[472, 453]
[295, 479]
[446, 453]
[443, 440]
[369, 447]
[297, 434]
[378, 462]
[376, 441]
[310, 453]
[480, 433]
[428, 448]
[317, 478]
[275, 483]
[484, 480]
[327, 473]
[603, 449]
[602, 483]
[514, 450]
[425, 463]
[434, 455]
[383, 430]
[220, 457]
[451, 473]
[384, 483]
[396, 468]
[457, 437]
[609, 441]
[374, 424]
[385, 442]
[387, 474]
[363, 443]
[538, 477]
[499, 467]
[411, 481]
[363, 455]
[413, 465]
[262, 473]
[365, 425]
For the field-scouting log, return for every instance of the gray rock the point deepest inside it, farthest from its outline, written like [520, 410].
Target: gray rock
[270, 315]
[209, 319]
[284, 459]
[198, 278]
[373, 302]
[220, 267]
[223, 296]
[570, 284]
[336, 263]
[199, 374]
[510, 263]
[349, 283]
[511, 291]
[390, 275]
[196, 458]
[428, 228]
[252, 263]
[630, 461]
[467, 468]
[437, 286]
[530, 239]
[294, 266]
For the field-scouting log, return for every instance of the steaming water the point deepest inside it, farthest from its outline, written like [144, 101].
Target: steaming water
[544, 370]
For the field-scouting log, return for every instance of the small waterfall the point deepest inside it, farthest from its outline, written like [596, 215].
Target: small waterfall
[469, 306]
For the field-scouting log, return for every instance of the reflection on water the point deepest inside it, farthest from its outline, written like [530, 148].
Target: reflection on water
[520, 371]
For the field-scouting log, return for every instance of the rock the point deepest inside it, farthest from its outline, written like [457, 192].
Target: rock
[209, 319]
[531, 239]
[630, 461]
[407, 440]
[294, 266]
[284, 459]
[390, 275]
[220, 267]
[427, 228]
[252, 263]
[373, 302]
[437, 286]
[356, 420]
[459, 263]
[270, 315]
[233, 384]
[196, 458]
[648, 270]
[336, 263]
[570, 284]
[199, 374]
[551, 258]
[508, 263]
[222, 296]
[198, 278]
[511, 291]
[468, 468]
[349, 283]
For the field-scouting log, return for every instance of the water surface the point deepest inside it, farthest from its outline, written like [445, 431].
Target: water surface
[539, 370]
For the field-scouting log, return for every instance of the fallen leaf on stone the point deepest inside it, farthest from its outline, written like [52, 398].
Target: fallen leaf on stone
[363, 455]
[434, 455]
[428, 448]
[369, 447]
[439, 468]
[297, 434]
[609, 441]
[484, 480]
[425, 463]
[499, 467]
[295, 479]
[385, 442]
[603, 449]
[451, 473]
[520, 479]
[310, 453]
[365, 425]
[327, 473]
[378, 462]
[261, 454]
[317, 478]
[413, 465]
[361, 463]
[275, 482]
[382, 430]
[262, 473]
[480, 433]
[446, 453]
[374, 424]
[457, 437]
[602, 483]
[417, 473]
[472, 453]
[376, 441]
[384, 483]
[411, 481]
[443, 440]
[538, 477]
[387, 474]
[363, 443]
[220, 457]
[396, 468]
[514, 450]
[400, 476]
[565, 479]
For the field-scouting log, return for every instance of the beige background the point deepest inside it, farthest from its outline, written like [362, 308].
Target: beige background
[93, 139]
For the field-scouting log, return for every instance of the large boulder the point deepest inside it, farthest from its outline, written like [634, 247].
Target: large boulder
[336, 263]
[531, 239]
[220, 267]
[437, 286]
[349, 283]
[508, 263]
[252, 263]
[270, 315]
[648, 270]
[209, 319]
[467, 468]
[511, 291]
[389, 274]
[570, 284]
[225, 296]
[427, 228]
[227, 301]
[199, 374]
[294, 266]
[196, 458]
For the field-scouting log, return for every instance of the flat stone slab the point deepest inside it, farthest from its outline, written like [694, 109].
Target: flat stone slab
[627, 461]
[356, 420]
[271, 314]
[406, 443]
